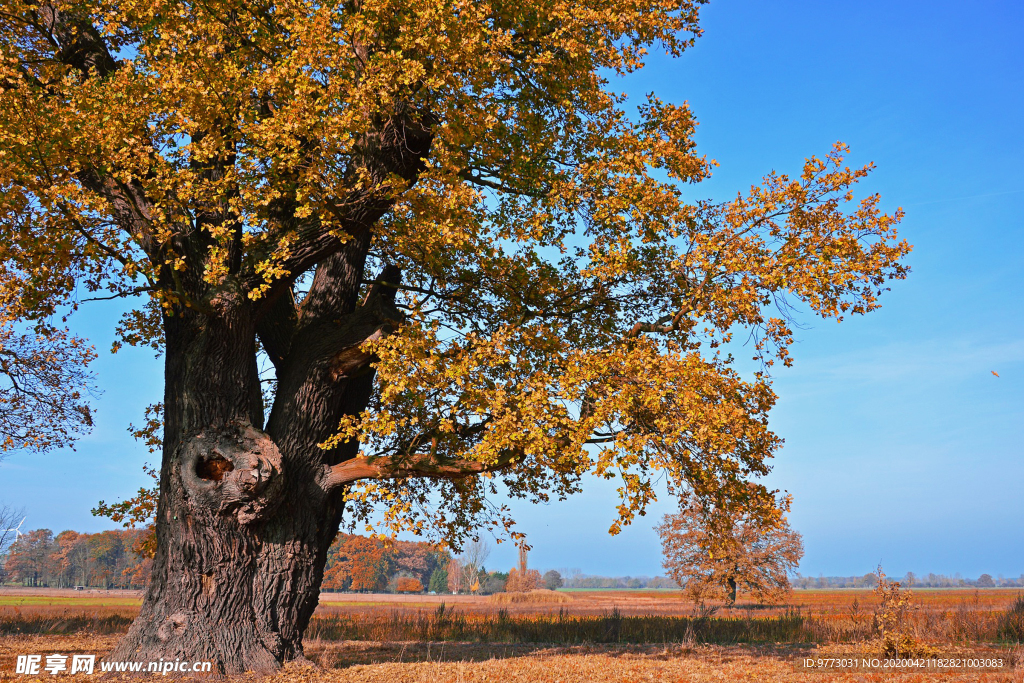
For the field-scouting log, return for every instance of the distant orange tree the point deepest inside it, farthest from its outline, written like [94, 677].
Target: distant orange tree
[522, 579]
[408, 584]
[715, 550]
[360, 563]
[521, 582]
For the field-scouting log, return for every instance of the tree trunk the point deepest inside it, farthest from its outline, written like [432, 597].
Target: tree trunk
[243, 522]
[731, 597]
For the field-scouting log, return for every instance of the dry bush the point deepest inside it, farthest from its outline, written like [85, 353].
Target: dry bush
[408, 584]
[1011, 622]
[522, 580]
[892, 619]
[533, 596]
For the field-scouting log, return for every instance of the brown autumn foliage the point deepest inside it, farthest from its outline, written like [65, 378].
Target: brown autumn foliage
[116, 558]
[716, 550]
[520, 581]
[407, 584]
[360, 563]
[893, 619]
[44, 384]
[456, 576]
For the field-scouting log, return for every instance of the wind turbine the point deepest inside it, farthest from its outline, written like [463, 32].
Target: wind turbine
[16, 530]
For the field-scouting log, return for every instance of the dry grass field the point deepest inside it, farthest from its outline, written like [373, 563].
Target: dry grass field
[627, 636]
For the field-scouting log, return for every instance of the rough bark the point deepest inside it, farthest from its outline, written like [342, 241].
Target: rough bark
[245, 518]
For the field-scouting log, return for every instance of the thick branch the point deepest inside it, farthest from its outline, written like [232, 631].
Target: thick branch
[362, 467]
[327, 374]
[130, 208]
[334, 291]
[398, 149]
[276, 327]
[77, 41]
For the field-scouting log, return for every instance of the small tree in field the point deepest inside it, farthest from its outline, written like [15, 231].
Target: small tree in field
[892, 619]
[713, 551]
[552, 580]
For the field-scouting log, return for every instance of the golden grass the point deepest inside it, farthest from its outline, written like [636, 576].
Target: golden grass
[837, 616]
[362, 662]
[700, 665]
[539, 595]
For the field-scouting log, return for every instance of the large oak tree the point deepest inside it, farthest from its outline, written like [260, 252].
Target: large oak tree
[466, 260]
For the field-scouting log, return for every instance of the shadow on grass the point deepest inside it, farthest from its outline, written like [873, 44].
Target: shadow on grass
[344, 654]
[444, 624]
[14, 622]
[447, 625]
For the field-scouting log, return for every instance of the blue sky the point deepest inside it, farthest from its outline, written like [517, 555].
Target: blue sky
[901, 446]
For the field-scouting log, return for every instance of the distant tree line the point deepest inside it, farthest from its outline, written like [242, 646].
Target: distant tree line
[123, 559]
[910, 580]
[109, 559]
[574, 579]
[367, 564]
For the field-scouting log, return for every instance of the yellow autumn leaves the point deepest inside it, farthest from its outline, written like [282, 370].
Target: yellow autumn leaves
[566, 310]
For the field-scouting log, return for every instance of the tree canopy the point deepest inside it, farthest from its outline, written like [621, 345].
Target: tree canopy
[560, 304]
[713, 551]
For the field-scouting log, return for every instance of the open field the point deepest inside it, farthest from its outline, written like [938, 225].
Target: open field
[371, 662]
[598, 636]
[635, 602]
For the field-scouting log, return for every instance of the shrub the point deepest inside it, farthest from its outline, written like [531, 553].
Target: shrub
[1011, 622]
[408, 584]
[892, 619]
[521, 581]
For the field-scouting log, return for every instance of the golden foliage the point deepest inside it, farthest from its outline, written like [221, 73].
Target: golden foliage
[567, 310]
[892, 619]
